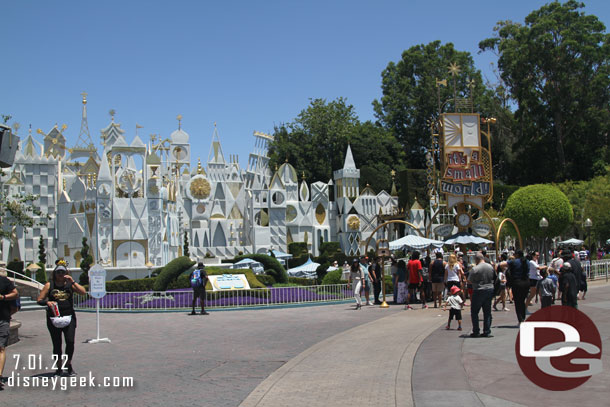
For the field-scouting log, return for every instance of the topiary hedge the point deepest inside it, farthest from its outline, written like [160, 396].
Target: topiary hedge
[302, 281]
[333, 277]
[121, 286]
[266, 280]
[171, 271]
[529, 204]
[272, 266]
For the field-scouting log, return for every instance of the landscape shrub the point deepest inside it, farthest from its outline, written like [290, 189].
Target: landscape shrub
[332, 277]
[171, 271]
[302, 281]
[265, 279]
[272, 266]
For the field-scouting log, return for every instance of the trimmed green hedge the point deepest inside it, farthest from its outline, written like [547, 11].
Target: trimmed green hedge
[171, 271]
[121, 286]
[302, 281]
[270, 264]
[297, 248]
[265, 279]
[330, 248]
[333, 277]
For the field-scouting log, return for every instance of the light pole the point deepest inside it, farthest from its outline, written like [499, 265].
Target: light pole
[543, 225]
[383, 251]
[588, 224]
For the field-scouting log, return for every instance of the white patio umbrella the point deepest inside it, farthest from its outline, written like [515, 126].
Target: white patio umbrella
[571, 242]
[462, 238]
[414, 242]
[306, 270]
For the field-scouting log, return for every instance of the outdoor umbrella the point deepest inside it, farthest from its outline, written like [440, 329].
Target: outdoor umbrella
[571, 242]
[414, 242]
[306, 270]
[464, 238]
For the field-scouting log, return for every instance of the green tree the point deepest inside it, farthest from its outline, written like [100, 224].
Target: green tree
[529, 204]
[85, 263]
[42, 253]
[316, 141]
[410, 99]
[185, 247]
[556, 68]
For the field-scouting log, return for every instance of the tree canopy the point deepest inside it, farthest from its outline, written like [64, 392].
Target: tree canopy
[316, 141]
[557, 71]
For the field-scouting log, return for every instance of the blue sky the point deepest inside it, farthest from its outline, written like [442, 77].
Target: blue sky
[246, 65]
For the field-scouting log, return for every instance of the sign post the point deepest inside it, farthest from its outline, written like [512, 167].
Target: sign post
[97, 290]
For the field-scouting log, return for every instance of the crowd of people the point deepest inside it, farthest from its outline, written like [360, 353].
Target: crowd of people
[450, 281]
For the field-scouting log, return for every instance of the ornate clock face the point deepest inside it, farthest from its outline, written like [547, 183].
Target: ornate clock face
[464, 220]
[200, 208]
[353, 223]
[129, 180]
[179, 153]
[200, 188]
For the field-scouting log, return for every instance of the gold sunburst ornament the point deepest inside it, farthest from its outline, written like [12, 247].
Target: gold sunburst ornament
[454, 69]
[200, 188]
[353, 223]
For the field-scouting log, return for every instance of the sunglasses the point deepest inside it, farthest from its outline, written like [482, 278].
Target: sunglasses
[61, 272]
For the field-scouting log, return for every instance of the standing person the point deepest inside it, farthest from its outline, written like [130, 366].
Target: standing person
[534, 276]
[518, 279]
[401, 282]
[482, 277]
[8, 293]
[199, 278]
[569, 286]
[437, 273]
[456, 303]
[356, 277]
[416, 279]
[394, 272]
[367, 279]
[58, 295]
[376, 275]
[453, 272]
[546, 290]
[575, 266]
[427, 285]
[501, 295]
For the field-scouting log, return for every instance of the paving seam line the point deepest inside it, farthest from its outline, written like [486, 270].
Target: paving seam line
[259, 393]
[408, 373]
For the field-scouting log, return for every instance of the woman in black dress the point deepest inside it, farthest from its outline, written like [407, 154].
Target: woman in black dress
[58, 294]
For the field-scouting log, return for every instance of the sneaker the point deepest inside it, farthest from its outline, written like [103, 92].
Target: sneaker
[447, 327]
[459, 328]
[193, 313]
[368, 303]
[473, 335]
[59, 372]
[205, 313]
[505, 309]
[424, 306]
[495, 309]
[487, 336]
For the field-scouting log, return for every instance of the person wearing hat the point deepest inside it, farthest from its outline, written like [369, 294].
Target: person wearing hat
[199, 278]
[58, 296]
[356, 278]
[455, 301]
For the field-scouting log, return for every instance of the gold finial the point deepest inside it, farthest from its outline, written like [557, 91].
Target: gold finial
[454, 69]
[112, 112]
[441, 83]
[275, 167]
[16, 127]
[286, 161]
[39, 131]
[393, 173]
[84, 95]
[199, 168]
[471, 84]
[30, 130]
[64, 127]
[214, 124]
[303, 175]
[179, 118]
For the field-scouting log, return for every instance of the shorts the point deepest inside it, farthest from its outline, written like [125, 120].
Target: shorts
[4, 333]
[367, 285]
[457, 313]
[533, 283]
[438, 287]
[413, 286]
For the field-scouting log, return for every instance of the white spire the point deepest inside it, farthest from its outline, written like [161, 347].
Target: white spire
[349, 159]
[104, 174]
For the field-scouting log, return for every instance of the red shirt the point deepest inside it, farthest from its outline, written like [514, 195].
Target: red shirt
[414, 277]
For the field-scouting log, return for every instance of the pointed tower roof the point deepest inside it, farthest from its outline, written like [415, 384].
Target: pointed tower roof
[216, 156]
[349, 159]
[104, 174]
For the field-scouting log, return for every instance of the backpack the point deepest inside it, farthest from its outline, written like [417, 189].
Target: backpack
[196, 281]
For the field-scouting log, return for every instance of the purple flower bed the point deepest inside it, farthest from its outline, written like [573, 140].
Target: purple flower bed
[182, 298]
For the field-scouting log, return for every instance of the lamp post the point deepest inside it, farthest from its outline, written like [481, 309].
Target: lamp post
[383, 251]
[588, 225]
[543, 225]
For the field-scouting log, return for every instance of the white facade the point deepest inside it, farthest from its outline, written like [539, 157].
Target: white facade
[137, 202]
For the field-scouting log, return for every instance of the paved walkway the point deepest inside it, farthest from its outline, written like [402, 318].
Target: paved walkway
[311, 356]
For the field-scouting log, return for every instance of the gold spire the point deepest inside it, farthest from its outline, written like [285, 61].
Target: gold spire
[179, 118]
[303, 176]
[112, 112]
[199, 168]
[84, 95]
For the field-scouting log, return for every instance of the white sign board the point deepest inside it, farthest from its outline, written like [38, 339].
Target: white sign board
[97, 281]
[228, 282]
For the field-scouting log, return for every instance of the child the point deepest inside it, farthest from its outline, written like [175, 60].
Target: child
[456, 303]
[545, 288]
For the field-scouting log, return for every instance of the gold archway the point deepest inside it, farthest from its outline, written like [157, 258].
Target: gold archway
[491, 222]
[500, 230]
[404, 222]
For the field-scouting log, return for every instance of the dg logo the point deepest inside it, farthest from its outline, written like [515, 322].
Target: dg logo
[559, 348]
